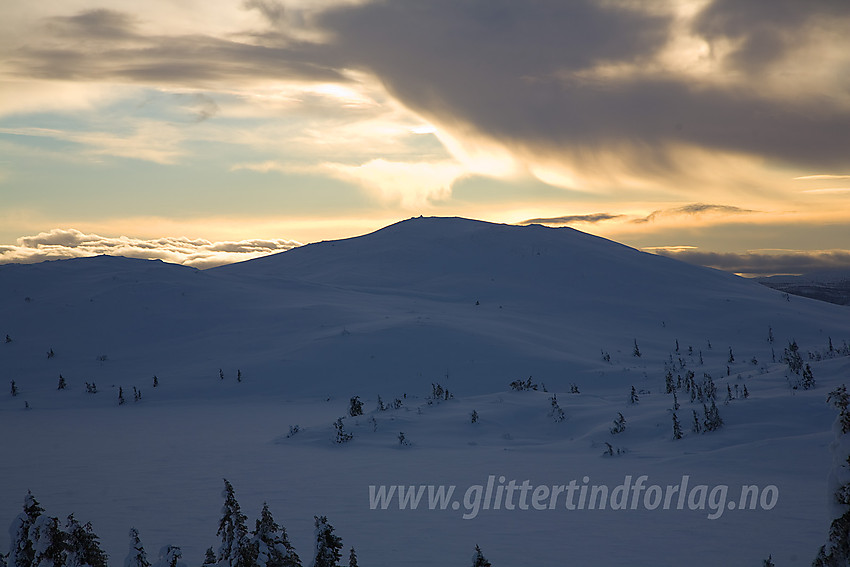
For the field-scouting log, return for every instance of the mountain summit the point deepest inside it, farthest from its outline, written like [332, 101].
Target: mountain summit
[422, 297]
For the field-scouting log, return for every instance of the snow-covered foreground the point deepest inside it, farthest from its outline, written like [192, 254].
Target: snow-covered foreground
[467, 305]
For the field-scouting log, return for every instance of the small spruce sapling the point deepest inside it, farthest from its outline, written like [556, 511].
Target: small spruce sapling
[341, 435]
[677, 427]
[619, 424]
[636, 351]
[355, 407]
[62, 383]
[697, 426]
[633, 397]
[808, 380]
[473, 417]
[14, 389]
[556, 412]
[478, 560]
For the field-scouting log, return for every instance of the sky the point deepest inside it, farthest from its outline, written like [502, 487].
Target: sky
[209, 131]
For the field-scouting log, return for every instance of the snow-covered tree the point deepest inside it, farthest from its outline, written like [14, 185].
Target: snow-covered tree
[633, 397]
[272, 544]
[341, 435]
[83, 546]
[50, 542]
[355, 407]
[556, 412]
[232, 528]
[619, 424]
[120, 396]
[170, 556]
[636, 351]
[14, 389]
[808, 380]
[352, 558]
[677, 427]
[62, 383]
[209, 557]
[768, 562]
[669, 385]
[136, 556]
[836, 553]
[22, 552]
[792, 358]
[697, 426]
[478, 560]
[328, 544]
[712, 420]
[473, 417]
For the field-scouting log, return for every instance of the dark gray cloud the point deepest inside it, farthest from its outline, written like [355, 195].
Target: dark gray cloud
[104, 45]
[270, 9]
[765, 264]
[522, 73]
[513, 71]
[100, 23]
[764, 30]
[199, 253]
[568, 219]
[694, 209]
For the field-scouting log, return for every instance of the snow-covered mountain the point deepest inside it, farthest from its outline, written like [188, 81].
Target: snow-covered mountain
[465, 304]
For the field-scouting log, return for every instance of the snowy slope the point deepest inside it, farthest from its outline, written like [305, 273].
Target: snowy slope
[467, 304]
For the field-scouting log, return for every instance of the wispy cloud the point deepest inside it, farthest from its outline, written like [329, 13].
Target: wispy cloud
[829, 190]
[569, 219]
[59, 244]
[820, 176]
[694, 209]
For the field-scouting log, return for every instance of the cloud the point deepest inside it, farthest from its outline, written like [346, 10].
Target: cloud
[569, 76]
[409, 184]
[108, 46]
[615, 92]
[591, 218]
[762, 264]
[59, 244]
[762, 32]
[271, 10]
[821, 176]
[694, 209]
